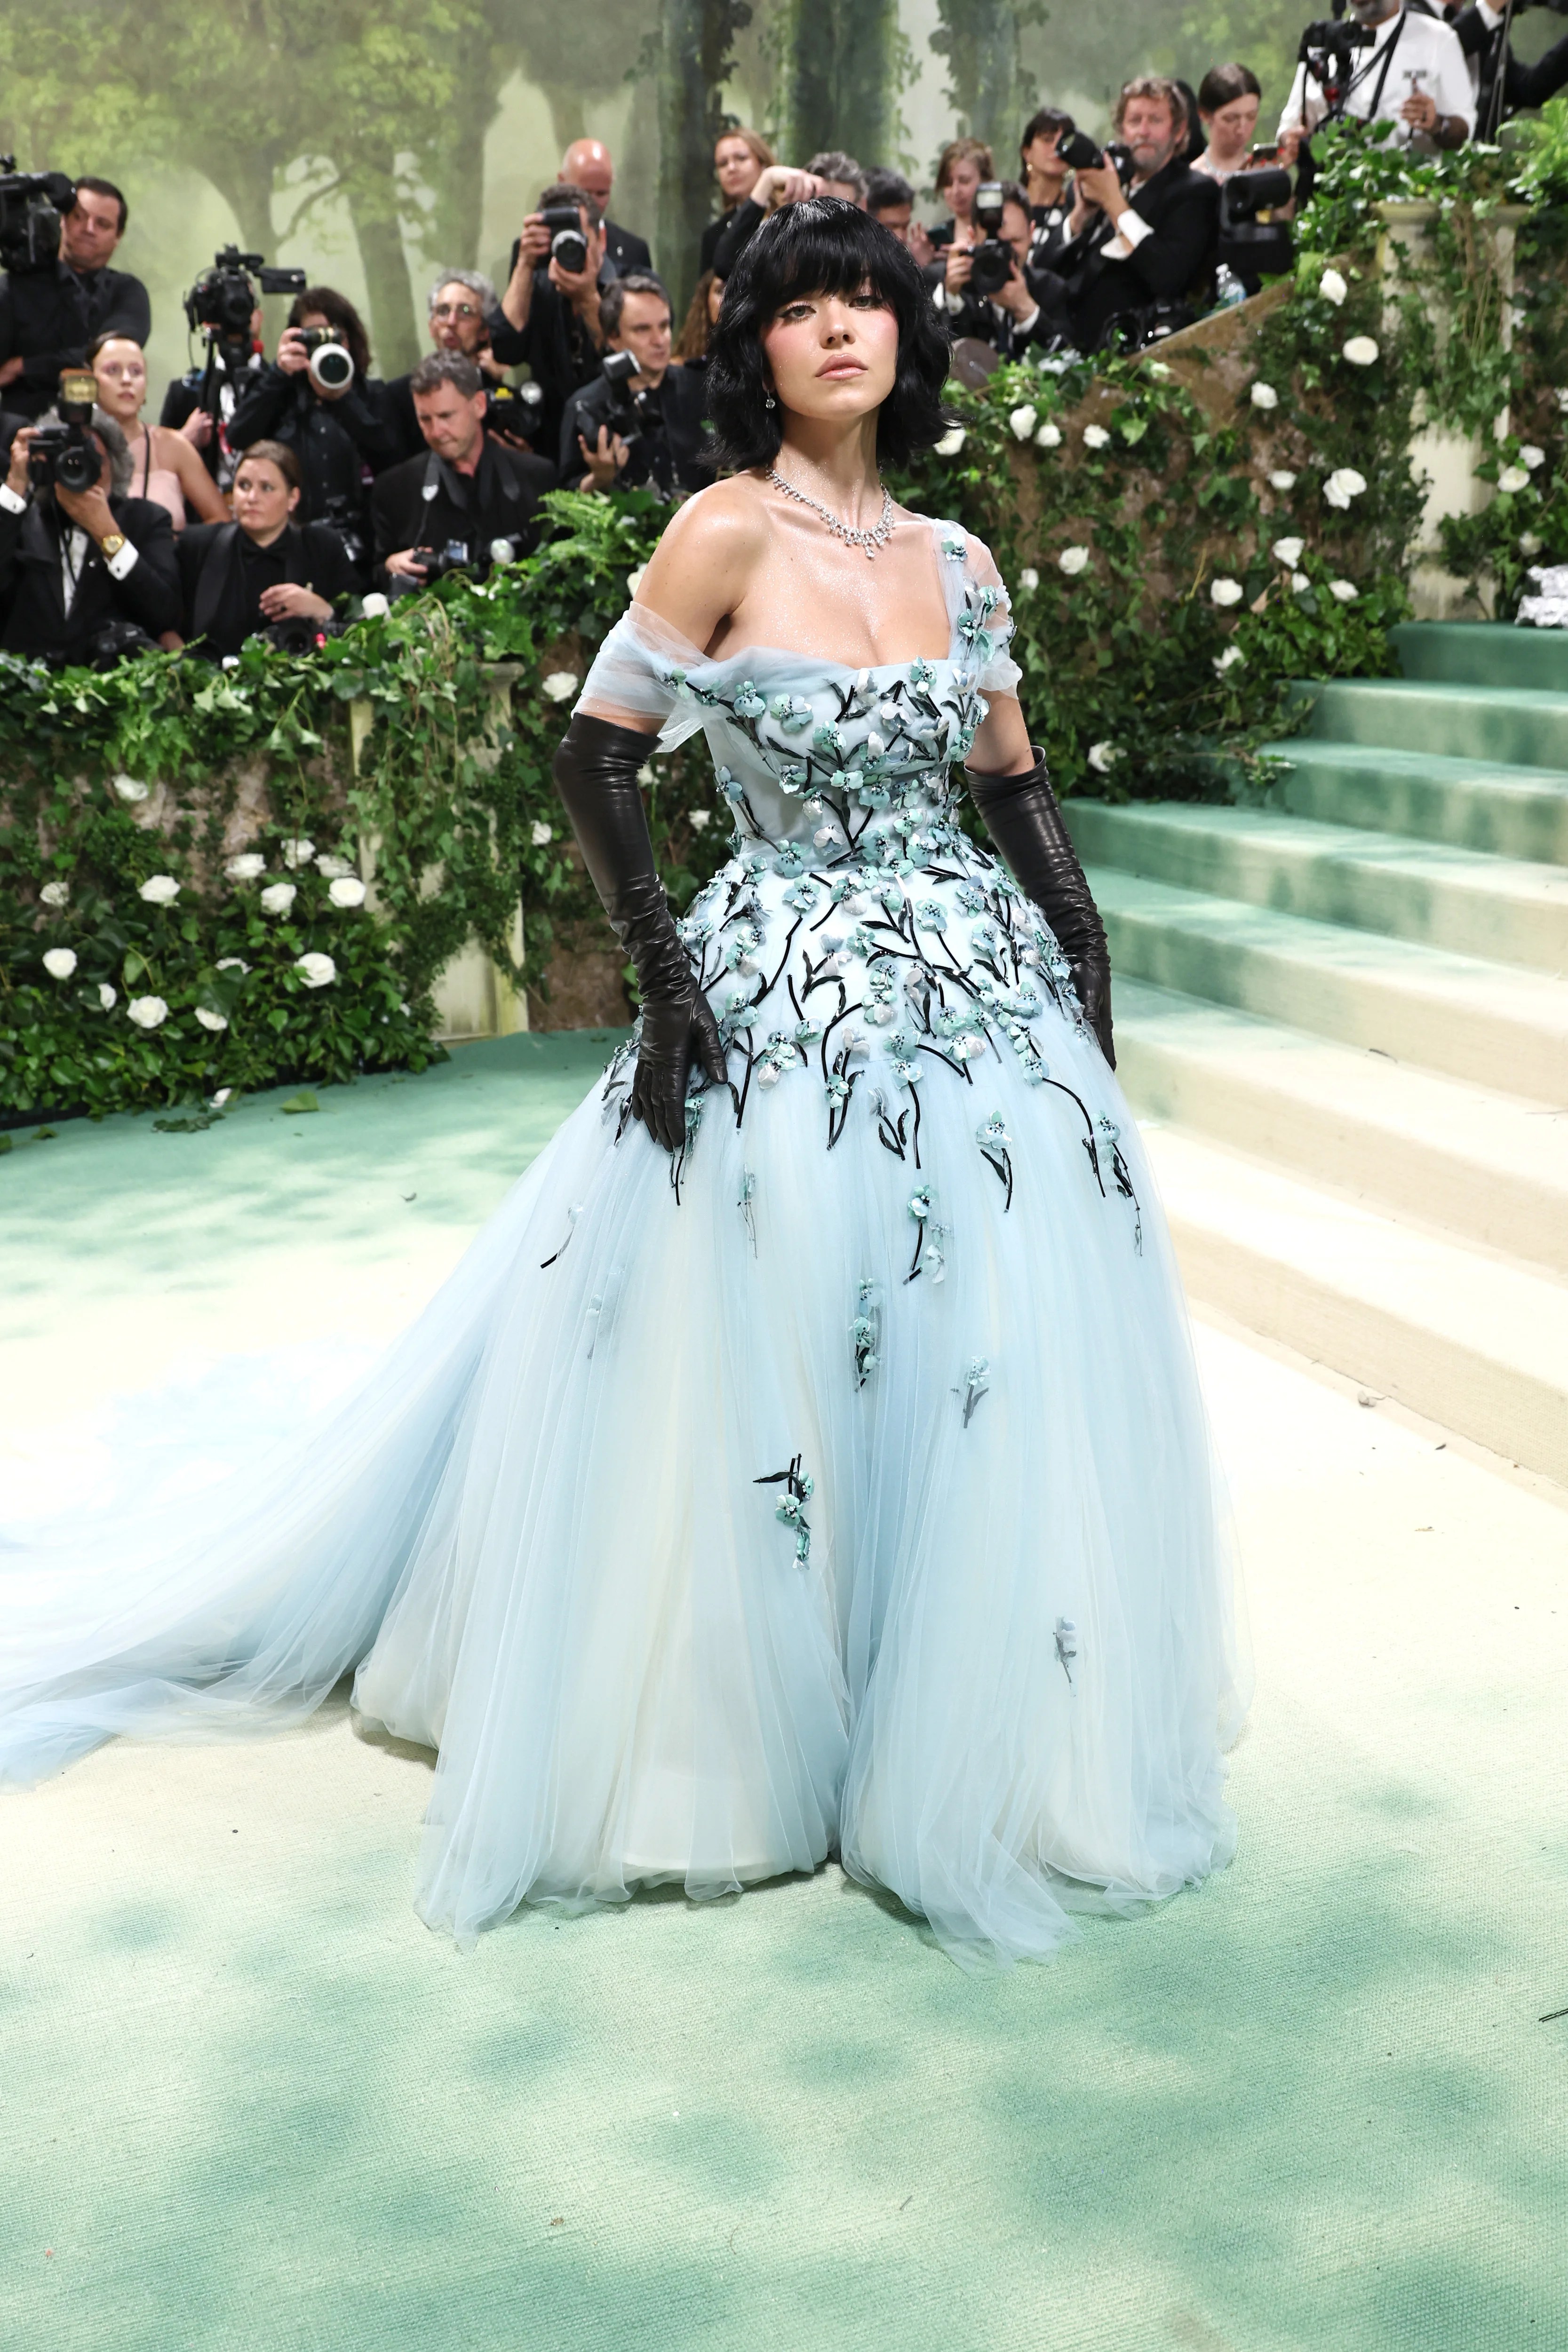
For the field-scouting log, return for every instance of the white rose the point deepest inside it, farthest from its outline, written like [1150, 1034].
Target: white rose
[1513, 478]
[278, 897]
[296, 853]
[951, 443]
[1343, 485]
[59, 962]
[1095, 437]
[699, 820]
[231, 661]
[1287, 551]
[1072, 560]
[1225, 592]
[634, 579]
[1228, 659]
[1028, 579]
[221, 1097]
[159, 891]
[348, 891]
[148, 1011]
[1529, 545]
[501, 551]
[231, 963]
[1049, 436]
[540, 834]
[129, 789]
[333, 867]
[106, 997]
[1333, 287]
[376, 605]
[1101, 757]
[1530, 457]
[1300, 582]
[1264, 396]
[1361, 350]
[249, 866]
[1281, 481]
[316, 970]
[1343, 592]
[559, 685]
[1022, 422]
[56, 894]
[1562, 396]
[214, 1021]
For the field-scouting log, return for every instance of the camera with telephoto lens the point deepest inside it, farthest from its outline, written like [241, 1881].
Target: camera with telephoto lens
[568, 246]
[991, 262]
[224, 297]
[1252, 249]
[32, 206]
[516, 415]
[331, 366]
[66, 454]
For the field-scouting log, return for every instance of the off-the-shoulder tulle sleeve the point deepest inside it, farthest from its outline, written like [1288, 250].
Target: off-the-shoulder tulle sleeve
[641, 668]
[999, 673]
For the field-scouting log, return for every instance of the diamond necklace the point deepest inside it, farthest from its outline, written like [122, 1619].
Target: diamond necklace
[869, 541]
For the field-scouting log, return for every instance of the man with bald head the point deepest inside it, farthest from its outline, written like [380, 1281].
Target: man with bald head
[587, 163]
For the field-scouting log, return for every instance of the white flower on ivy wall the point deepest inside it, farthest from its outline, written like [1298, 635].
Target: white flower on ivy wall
[130, 789]
[278, 897]
[1333, 287]
[540, 835]
[1224, 592]
[56, 894]
[348, 891]
[1281, 481]
[147, 1012]
[159, 891]
[248, 866]
[296, 853]
[333, 867]
[699, 820]
[1513, 478]
[1228, 659]
[1103, 758]
[106, 997]
[1095, 437]
[1343, 592]
[1343, 485]
[212, 1021]
[221, 1097]
[316, 970]
[59, 962]
[1529, 545]
[1022, 422]
[1264, 396]
[374, 606]
[1288, 550]
[1049, 436]
[231, 963]
[1072, 560]
[951, 443]
[1028, 579]
[1361, 350]
[1530, 457]
[1300, 583]
[559, 685]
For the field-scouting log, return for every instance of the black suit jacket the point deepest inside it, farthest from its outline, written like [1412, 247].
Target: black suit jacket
[500, 501]
[51, 316]
[313, 557]
[624, 250]
[555, 346]
[38, 623]
[1182, 208]
[682, 460]
[334, 440]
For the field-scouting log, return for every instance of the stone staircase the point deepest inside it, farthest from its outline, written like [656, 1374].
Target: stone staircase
[1343, 1021]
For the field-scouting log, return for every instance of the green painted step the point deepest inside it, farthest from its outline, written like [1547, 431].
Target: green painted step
[1515, 726]
[1468, 804]
[1490, 1168]
[1483, 653]
[1495, 908]
[1491, 1023]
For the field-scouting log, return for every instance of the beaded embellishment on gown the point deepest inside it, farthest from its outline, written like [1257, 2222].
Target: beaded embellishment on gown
[839, 1484]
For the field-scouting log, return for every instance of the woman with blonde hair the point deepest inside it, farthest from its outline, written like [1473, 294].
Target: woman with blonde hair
[165, 465]
[961, 167]
[740, 157]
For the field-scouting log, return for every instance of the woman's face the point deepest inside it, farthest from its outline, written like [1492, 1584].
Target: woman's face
[263, 501]
[736, 170]
[832, 356]
[1043, 155]
[962, 180]
[122, 373]
[1231, 127]
[715, 301]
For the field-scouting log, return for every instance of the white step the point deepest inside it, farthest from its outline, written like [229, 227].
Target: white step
[1464, 1336]
[1490, 1168]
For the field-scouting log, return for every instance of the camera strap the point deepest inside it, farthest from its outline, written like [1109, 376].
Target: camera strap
[1385, 63]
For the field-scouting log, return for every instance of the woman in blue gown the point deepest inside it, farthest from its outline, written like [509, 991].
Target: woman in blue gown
[807, 1458]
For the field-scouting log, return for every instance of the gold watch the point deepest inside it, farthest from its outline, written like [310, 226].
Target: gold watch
[109, 545]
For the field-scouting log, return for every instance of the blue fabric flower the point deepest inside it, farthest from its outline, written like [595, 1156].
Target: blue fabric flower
[749, 703]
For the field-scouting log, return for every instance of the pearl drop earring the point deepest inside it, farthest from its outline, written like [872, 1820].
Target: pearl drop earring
[769, 401]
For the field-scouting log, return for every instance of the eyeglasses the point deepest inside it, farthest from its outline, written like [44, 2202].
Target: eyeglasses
[455, 310]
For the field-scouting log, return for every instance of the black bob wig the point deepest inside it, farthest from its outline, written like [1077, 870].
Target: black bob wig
[825, 246]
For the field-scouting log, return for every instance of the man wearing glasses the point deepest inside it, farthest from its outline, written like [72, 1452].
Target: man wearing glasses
[459, 301]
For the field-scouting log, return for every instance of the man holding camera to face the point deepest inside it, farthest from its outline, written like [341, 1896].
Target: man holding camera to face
[1387, 63]
[469, 501]
[549, 315]
[48, 315]
[459, 307]
[985, 289]
[640, 422]
[89, 572]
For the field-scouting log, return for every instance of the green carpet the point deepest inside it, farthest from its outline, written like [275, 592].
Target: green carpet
[246, 2100]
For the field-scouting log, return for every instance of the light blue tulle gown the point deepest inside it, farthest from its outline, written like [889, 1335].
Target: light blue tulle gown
[839, 1486]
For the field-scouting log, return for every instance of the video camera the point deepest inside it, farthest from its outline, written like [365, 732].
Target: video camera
[32, 206]
[223, 298]
[1329, 50]
[1250, 248]
[568, 246]
[66, 454]
[991, 262]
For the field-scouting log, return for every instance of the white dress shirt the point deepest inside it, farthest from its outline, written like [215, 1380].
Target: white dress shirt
[1426, 59]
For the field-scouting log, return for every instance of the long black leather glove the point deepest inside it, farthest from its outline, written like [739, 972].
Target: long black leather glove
[1024, 820]
[597, 776]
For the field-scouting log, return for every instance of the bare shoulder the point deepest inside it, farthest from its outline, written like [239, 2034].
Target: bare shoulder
[705, 557]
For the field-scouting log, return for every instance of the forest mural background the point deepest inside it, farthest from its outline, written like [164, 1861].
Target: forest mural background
[373, 141]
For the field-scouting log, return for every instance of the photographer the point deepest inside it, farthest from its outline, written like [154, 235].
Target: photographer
[1481, 32]
[890, 200]
[1228, 100]
[343, 432]
[1150, 241]
[262, 573]
[642, 429]
[48, 316]
[833, 173]
[1044, 177]
[984, 288]
[740, 158]
[235, 367]
[588, 164]
[459, 309]
[549, 315]
[89, 573]
[1412, 72]
[467, 491]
